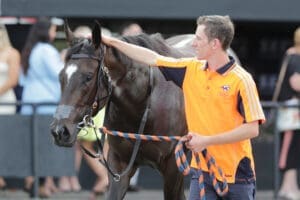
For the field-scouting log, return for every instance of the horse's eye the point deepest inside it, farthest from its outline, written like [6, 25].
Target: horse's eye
[88, 77]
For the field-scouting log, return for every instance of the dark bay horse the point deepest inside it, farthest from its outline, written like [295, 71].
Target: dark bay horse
[95, 76]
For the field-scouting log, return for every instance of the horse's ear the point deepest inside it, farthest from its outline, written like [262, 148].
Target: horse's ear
[96, 35]
[68, 32]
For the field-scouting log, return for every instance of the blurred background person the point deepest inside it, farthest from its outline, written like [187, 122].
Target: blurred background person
[83, 32]
[87, 138]
[131, 28]
[289, 161]
[41, 64]
[9, 73]
[295, 82]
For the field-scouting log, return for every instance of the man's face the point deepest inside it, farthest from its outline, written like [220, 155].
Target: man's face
[201, 43]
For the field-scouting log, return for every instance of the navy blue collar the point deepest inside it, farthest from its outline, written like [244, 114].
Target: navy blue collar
[224, 68]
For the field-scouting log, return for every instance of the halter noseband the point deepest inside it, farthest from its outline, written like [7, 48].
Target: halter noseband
[82, 55]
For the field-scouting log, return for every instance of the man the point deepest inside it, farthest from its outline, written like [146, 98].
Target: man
[221, 103]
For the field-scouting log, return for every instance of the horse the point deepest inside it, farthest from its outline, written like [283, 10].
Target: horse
[138, 99]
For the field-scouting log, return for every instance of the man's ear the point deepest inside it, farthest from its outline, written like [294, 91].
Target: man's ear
[216, 43]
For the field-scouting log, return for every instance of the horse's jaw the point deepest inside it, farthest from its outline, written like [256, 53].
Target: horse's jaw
[64, 143]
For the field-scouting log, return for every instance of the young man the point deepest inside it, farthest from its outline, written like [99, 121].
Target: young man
[221, 103]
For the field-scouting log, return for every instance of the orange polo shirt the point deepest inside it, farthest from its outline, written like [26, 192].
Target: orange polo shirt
[216, 102]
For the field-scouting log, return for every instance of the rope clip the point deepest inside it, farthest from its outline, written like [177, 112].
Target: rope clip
[117, 177]
[88, 121]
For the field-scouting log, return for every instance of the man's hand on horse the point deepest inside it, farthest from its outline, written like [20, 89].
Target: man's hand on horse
[106, 40]
[196, 142]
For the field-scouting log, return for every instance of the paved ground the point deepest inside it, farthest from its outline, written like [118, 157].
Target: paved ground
[142, 195]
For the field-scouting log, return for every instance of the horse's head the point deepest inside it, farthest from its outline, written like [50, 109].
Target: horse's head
[84, 86]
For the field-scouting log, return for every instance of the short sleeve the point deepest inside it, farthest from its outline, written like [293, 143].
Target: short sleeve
[250, 100]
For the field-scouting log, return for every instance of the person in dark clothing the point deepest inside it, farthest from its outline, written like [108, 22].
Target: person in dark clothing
[290, 149]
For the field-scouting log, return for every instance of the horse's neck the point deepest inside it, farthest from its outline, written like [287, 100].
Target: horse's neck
[124, 118]
[130, 94]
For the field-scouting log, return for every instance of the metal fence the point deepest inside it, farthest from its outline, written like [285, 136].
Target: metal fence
[27, 147]
[273, 107]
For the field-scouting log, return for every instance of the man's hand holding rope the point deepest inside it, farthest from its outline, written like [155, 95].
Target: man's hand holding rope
[196, 142]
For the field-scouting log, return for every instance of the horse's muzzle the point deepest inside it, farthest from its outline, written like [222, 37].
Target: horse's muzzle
[62, 135]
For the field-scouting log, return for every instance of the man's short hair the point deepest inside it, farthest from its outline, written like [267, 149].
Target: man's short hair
[217, 26]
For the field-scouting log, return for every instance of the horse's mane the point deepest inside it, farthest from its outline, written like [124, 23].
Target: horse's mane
[154, 42]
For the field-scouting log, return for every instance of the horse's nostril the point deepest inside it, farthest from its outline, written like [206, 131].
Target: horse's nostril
[65, 134]
[60, 133]
[54, 134]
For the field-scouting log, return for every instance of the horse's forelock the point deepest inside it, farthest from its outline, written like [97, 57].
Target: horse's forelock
[80, 45]
[74, 48]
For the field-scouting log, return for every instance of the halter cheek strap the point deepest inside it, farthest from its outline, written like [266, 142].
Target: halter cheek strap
[100, 75]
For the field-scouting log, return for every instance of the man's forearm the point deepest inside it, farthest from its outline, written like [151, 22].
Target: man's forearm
[135, 52]
[243, 132]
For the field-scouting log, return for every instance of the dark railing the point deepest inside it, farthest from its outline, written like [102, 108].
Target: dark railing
[273, 108]
[27, 147]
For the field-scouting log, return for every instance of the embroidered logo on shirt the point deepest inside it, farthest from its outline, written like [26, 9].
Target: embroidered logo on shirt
[225, 88]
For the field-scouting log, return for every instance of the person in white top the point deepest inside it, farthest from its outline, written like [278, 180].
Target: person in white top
[9, 72]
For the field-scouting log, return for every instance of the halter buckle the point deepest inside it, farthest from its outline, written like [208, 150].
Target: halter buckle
[117, 177]
[88, 121]
[80, 125]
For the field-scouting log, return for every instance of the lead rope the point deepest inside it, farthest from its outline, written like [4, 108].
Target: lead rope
[181, 160]
[88, 122]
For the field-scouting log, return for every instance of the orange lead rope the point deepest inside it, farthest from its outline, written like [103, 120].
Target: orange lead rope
[184, 167]
[181, 160]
